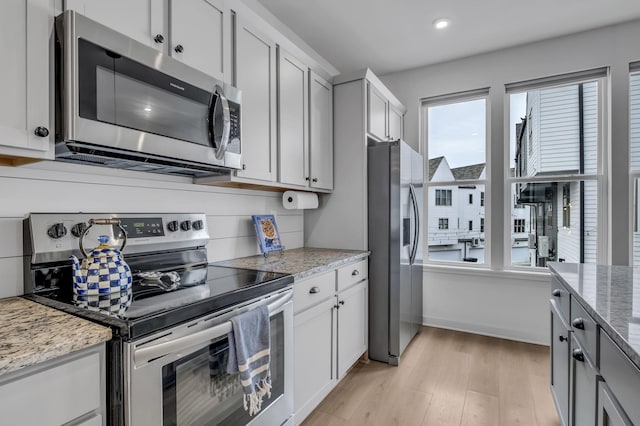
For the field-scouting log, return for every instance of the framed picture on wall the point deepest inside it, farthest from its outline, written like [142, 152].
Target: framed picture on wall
[267, 232]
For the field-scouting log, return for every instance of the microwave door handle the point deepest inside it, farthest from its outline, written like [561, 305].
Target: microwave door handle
[159, 350]
[219, 99]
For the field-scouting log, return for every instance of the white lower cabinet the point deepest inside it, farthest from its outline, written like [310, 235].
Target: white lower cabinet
[330, 333]
[66, 390]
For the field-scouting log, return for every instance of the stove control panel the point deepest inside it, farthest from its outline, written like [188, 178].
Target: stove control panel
[54, 236]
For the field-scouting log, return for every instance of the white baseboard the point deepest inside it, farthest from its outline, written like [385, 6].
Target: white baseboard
[502, 333]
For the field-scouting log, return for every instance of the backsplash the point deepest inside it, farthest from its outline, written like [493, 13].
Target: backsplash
[60, 187]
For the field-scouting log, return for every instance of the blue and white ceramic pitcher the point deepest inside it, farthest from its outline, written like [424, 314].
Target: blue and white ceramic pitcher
[103, 270]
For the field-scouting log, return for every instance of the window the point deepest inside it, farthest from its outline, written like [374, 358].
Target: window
[482, 224]
[443, 197]
[554, 167]
[443, 223]
[456, 139]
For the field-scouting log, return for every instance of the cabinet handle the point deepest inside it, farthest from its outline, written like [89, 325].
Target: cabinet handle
[244, 167]
[578, 323]
[562, 338]
[307, 178]
[314, 180]
[314, 290]
[41, 131]
[578, 355]
[355, 272]
[159, 38]
[556, 292]
[179, 48]
[341, 302]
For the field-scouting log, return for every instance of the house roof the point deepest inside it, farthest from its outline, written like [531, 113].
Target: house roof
[434, 163]
[468, 172]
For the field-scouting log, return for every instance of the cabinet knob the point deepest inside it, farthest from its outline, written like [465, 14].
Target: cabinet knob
[562, 338]
[159, 38]
[355, 272]
[307, 178]
[244, 167]
[556, 292]
[341, 303]
[314, 290]
[179, 48]
[314, 180]
[41, 131]
[578, 323]
[578, 355]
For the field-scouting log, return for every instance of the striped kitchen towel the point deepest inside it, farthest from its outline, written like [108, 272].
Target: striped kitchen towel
[250, 355]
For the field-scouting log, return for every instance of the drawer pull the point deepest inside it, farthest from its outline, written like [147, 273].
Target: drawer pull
[578, 323]
[578, 355]
[314, 290]
[562, 338]
[556, 292]
[355, 272]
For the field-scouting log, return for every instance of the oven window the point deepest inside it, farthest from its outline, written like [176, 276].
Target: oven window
[198, 391]
[117, 90]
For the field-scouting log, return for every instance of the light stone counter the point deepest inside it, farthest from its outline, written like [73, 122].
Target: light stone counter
[300, 262]
[31, 333]
[611, 295]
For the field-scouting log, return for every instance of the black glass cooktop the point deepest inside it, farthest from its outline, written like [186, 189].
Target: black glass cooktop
[159, 299]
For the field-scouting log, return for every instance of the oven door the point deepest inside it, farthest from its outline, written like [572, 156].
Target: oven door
[178, 377]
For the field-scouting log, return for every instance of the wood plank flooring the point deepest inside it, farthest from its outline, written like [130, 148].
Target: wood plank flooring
[446, 378]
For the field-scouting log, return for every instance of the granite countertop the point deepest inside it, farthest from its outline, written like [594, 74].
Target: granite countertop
[611, 295]
[300, 262]
[31, 333]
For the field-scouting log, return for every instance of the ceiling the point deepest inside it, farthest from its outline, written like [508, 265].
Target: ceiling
[394, 35]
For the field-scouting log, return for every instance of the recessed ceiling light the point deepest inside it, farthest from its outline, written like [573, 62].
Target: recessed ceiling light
[441, 23]
[148, 109]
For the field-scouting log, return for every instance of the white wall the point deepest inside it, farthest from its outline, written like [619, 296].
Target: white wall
[614, 47]
[61, 187]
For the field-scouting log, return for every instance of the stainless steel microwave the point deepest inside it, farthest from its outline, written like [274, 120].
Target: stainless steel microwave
[120, 103]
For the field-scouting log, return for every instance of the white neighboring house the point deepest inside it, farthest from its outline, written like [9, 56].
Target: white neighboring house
[559, 135]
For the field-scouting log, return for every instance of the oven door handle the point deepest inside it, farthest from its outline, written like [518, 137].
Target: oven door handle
[159, 350]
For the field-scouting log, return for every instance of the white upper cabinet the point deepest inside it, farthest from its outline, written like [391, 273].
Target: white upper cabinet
[255, 74]
[395, 123]
[376, 113]
[321, 132]
[196, 32]
[26, 125]
[142, 20]
[293, 94]
[199, 35]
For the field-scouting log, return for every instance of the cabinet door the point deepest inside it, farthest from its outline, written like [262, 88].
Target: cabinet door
[352, 325]
[560, 335]
[376, 113]
[199, 34]
[609, 412]
[25, 102]
[321, 132]
[395, 123]
[293, 152]
[255, 76]
[584, 387]
[141, 20]
[314, 331]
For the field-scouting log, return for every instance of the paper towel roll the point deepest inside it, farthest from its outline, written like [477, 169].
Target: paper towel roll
[299, 200]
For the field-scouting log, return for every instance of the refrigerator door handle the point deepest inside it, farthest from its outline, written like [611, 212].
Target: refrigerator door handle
[416, 228]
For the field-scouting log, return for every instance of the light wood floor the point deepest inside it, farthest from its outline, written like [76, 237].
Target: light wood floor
[446, 378]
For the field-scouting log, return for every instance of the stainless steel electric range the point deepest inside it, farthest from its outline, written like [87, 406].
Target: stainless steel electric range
[167, 359]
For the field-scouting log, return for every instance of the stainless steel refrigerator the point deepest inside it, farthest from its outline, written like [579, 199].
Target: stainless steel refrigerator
[395, 205]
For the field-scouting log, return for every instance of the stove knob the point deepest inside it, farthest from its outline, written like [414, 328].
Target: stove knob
[57, 230]
[197, 225]
[78, 229]
[173, 226]
[186, 225]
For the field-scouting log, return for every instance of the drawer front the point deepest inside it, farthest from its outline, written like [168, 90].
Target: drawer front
[352, 273]
[561, 297]
[313, 290]
[59, 394]
[585, 330]
[622, 377]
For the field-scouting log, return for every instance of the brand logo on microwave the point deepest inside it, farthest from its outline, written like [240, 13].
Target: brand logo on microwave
[176, 86]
